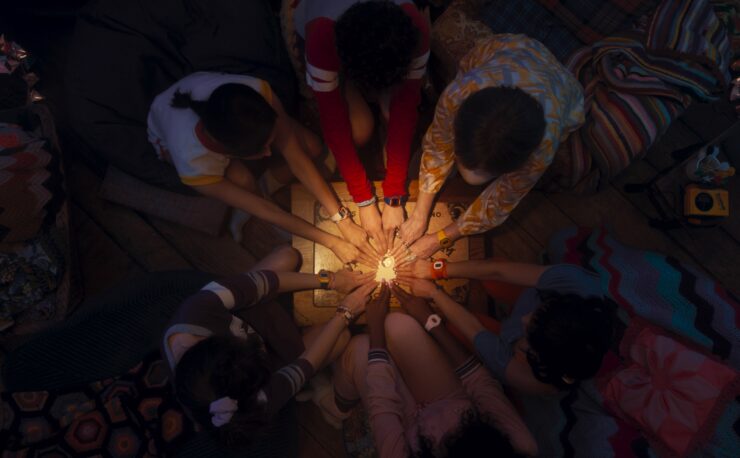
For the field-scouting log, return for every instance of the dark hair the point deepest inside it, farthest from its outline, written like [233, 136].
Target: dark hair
[235, 115]
[375, 41]
[476, 437]
[568, 336]
[222, 366]
[497, 129]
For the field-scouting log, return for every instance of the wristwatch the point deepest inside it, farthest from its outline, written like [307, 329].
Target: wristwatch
[324, 279]
[345, 313]
[395, 201]
[433, 321]
[444, 241]
[342, 214]
[439, 269]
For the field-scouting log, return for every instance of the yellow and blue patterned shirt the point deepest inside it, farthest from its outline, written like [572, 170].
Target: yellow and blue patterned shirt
[513, 61]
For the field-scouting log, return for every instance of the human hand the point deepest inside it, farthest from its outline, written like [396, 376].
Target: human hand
[352, 233]
[413, 228]
[419, 287]
[392, 219]
[419, 268]
[377, 309]
[425, 246]
[417, 307]
[345, 251]
[356, 301]
[370, 219]
[345, 280]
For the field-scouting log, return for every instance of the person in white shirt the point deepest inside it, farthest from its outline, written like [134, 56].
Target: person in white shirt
[207, 124]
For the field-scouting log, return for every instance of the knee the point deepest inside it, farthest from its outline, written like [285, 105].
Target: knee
[362, 127]
[399, 325]
[356, 349]
[242, 177]
[290, 258]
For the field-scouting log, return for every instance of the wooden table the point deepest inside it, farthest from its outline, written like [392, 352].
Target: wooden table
[317, 306]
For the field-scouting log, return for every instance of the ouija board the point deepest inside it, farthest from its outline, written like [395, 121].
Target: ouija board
[317, 306]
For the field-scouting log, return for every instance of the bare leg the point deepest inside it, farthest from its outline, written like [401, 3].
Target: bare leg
[425, 369]
[360, 116]
[311, 333]
[240, 175]
[282, 259]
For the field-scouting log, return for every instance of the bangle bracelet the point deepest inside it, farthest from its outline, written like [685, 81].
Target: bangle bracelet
[439, 269]
[346, 313]
[433, 321]
[367, 202]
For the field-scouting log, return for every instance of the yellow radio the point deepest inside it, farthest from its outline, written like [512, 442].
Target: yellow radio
[700, 202]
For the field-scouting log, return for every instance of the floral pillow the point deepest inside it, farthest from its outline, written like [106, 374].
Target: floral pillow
[672, 393]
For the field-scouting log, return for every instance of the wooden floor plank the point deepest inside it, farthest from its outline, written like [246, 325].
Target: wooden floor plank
[712, 249]
[612, 210]
[539, 217]
[308, 447]
[218, 255]
[511, 242]
[330, 439]
[130, 230]
[102, 262]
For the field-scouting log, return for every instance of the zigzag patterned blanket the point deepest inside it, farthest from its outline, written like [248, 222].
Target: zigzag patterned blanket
[675, 311]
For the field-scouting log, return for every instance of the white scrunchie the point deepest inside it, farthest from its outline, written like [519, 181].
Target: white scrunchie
[222, 410]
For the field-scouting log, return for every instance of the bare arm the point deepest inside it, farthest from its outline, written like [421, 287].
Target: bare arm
[518, 273]
[238, 197]
[286, 141]
[458, 315]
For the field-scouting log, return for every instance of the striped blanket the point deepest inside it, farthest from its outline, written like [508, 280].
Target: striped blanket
[686, 324]
[636, 83]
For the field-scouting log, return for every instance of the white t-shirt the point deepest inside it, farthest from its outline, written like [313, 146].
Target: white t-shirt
[172, 130]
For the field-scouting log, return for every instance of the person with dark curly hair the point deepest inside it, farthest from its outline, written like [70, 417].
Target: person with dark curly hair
[366, 50]
[560, 327]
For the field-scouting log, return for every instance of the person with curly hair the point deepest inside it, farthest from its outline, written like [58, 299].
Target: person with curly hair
[366, 50]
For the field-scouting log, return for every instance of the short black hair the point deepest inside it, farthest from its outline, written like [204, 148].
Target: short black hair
[497, 129]
[475, 437]
[375, 42]
[568, 336]
[221, 366]
[235, 115]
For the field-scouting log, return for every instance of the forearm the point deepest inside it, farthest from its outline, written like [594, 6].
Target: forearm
[296, 281]
[305, 170]
[458, 315]
[321, 347]
[261, 208]
[424, 203]
[455, 352]
[377, 335]
[511, 272]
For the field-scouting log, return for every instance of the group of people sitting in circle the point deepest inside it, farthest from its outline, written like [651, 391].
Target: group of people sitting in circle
[430, 378]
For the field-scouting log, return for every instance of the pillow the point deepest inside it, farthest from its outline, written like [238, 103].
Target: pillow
[672, 393]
